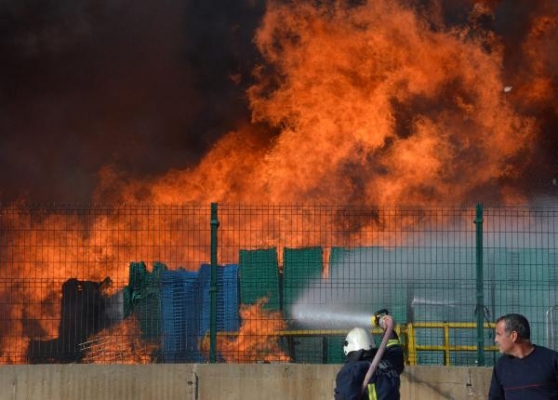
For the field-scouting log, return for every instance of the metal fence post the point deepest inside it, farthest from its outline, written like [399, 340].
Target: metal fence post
[213, 286]
[479, 310]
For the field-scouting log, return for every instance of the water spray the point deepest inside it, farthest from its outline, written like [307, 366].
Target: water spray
[334, 317]
[387, 334]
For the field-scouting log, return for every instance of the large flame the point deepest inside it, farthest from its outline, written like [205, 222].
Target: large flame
[373, 103]
[371, 106]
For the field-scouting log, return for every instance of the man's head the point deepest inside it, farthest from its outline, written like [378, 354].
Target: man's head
[512, 330]
[358, 339]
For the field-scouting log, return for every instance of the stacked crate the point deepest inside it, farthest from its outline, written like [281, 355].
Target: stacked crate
[142, 298]
[186, 310]
[259, 277]
[180, 312]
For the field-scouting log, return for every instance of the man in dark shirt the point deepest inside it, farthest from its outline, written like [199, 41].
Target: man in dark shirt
[524, 371]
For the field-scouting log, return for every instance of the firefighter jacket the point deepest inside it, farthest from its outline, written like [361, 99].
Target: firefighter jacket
[385, 381]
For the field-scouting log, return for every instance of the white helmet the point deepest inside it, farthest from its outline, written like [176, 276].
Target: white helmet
[358, 339]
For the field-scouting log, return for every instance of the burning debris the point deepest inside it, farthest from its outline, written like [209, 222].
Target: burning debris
[120, 344]
[256, 340]
[82, 315]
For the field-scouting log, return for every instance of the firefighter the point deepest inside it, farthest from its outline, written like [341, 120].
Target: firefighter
[360, 349]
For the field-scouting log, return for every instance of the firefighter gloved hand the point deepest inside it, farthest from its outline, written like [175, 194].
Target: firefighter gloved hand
[383, 320]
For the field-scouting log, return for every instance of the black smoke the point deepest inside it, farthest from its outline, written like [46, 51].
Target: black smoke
[141, 86]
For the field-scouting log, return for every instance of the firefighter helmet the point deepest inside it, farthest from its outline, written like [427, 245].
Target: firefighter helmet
[358, 339]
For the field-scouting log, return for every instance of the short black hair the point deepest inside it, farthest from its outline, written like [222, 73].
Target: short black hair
[518, 323]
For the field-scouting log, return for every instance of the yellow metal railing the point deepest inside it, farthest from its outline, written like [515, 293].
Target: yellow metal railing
[412, 348]
[407, 335]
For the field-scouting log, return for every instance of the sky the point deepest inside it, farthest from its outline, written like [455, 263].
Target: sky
[278, 101]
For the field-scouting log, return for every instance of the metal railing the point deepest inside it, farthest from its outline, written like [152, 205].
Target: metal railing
[412, 348]
[406, 333]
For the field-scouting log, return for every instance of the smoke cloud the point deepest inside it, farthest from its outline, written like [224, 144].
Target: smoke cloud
[134, 87]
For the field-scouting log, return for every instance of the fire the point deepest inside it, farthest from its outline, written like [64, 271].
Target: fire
[379, 104]
[375, 104]
[257, 339]
[371, 106]
[119, 344]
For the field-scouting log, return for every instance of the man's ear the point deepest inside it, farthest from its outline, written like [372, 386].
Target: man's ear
[514, 336]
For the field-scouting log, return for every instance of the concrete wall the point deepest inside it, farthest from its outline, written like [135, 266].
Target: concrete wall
[221, 381]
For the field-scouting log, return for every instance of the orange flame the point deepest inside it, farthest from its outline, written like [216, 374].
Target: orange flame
[257, 339]
[352, 105]
[372, 107]
[119, 344]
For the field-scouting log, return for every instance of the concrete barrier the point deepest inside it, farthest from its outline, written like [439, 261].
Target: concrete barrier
[221, 381]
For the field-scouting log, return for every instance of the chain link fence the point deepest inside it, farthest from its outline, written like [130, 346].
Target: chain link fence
[239, 283]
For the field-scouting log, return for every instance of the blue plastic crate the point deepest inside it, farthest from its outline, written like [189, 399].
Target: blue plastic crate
[180, 309]
[227, 298]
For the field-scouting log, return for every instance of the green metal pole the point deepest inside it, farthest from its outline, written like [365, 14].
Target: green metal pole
[480, 288]
[213, 286]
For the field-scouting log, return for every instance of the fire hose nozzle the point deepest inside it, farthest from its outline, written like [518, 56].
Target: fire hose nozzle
[378, 315]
